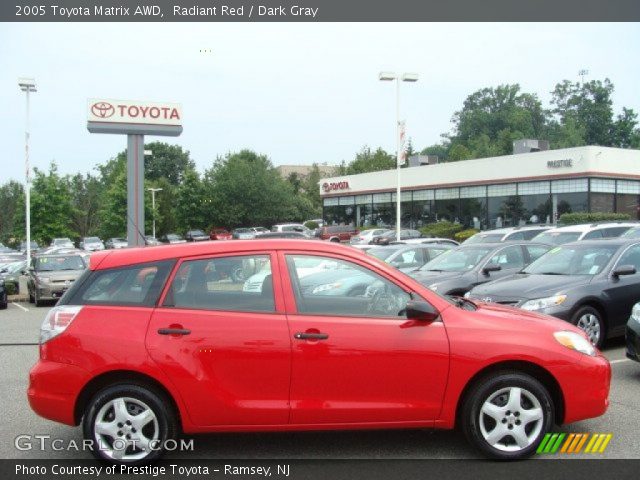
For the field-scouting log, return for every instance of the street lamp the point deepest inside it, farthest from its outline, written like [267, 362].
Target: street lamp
[27, 85]
[153, 206]
[405, 77]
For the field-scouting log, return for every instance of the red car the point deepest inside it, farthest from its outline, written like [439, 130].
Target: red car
[338, 233]
[220, 234]
[149, 343]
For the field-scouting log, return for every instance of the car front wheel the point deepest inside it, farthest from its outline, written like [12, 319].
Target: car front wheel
[506, 415]
[128, 424]
[590, 321]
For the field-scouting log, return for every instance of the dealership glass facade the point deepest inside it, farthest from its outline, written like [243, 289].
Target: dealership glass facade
[488, 206]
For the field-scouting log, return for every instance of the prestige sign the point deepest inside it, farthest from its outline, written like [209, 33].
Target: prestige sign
[133, 112]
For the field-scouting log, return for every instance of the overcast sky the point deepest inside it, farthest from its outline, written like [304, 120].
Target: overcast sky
[300, 93]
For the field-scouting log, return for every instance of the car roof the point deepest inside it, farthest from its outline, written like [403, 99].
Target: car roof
[138, 255]
[506, 230]
[616, 241]
[502, 244]
[591, 226]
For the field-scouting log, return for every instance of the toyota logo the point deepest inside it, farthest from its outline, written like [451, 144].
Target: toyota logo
[102, 109]
[325, 186]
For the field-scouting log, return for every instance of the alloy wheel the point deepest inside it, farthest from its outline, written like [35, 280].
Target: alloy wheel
[126, 429]
[511, 419]
[590, 323]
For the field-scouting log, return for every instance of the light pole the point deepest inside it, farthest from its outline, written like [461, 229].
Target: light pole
[405, 77]
[153, 207]
[27, 85]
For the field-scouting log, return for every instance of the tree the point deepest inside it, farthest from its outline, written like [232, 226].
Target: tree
[190, 206]
[624, 132]
[166, 161]
[51, 208]
[244, 189]
[85, 192]
[589, 106]
[311, 188]
[491, 118]
[11, 199]
[368, 161]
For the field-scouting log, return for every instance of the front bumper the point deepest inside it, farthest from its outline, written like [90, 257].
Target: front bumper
[632, 336]
[585, 387]
[51, 291]
[54, 388]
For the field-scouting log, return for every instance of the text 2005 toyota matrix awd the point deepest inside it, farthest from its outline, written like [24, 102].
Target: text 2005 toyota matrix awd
[149, 343]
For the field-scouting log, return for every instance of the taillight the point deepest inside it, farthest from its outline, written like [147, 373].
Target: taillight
[57, 321]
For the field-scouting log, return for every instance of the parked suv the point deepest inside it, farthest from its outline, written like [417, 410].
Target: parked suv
[153, 342]
[573, 233]
[338, 233]
[196, 236]
[508, 234]
[52, 275]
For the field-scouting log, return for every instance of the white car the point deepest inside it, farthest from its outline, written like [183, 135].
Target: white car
[574, 233]
[304, 267]
[526, 232]
[293, 227]
[420, 241]
[364, 237]
[91, 244]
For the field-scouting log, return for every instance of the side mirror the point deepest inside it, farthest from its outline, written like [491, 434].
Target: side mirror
[624, 270]
[422, 311]
[492, 267]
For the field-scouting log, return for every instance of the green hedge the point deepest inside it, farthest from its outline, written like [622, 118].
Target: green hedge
[311, 225]
[577, 218]
[464, 234]
[441, 229]
[10, 288]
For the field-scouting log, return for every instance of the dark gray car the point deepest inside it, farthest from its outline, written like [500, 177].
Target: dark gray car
[457, 271]
[592, 284]
[52, 275]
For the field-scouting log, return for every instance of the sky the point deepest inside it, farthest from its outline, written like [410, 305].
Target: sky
[299, 93]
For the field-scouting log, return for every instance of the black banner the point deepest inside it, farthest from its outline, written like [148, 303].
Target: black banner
[319, 10]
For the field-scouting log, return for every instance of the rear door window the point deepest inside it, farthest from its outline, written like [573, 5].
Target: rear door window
[231, 283]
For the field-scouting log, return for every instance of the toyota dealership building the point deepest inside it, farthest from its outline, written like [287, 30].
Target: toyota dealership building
[524, 188]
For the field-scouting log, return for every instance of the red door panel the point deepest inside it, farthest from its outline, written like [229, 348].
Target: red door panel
[233, 367]
[367, 369]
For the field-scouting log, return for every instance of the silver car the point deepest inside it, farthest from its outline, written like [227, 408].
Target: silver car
[52, 275]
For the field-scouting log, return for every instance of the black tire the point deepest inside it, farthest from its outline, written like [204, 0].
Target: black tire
[31, 299]
[36, 300]
[335, 240]
[158, 403]
[482, 391]
[584, 317]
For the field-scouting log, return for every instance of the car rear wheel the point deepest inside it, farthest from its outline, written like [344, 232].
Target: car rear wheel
[36, 300]
[506, 415]
[128, 424]
[591, 322]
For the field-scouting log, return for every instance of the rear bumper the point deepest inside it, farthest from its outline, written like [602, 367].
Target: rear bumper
[54, 388]
[632, 336]
[585, 387]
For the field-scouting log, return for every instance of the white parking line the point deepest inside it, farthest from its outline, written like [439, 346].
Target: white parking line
[620, 360]
[20, 306]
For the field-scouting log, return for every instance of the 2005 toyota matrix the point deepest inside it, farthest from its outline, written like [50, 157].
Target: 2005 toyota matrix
[149, 343]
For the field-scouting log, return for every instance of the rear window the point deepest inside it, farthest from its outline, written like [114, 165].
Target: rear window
[136, 285]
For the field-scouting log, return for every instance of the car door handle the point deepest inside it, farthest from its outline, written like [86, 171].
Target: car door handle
[173, 331]
[311, 336]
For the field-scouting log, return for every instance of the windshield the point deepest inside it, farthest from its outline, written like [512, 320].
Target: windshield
[173, 237]
[196, 232]
[458, 260]
[485, 238]
[633, 233]
[557, 238]
[61, 241]
[91, 240]
[573, 260]
[55, 264]
[382, 253]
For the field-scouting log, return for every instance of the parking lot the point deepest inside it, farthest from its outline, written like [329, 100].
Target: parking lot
[19, 327]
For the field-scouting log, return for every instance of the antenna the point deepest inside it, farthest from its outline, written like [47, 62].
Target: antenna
[583, 73]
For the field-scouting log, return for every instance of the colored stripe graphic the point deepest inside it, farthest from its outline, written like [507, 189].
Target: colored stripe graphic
[574, 442]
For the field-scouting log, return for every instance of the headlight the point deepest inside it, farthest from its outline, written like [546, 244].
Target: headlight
[433, 286]
[575, 341]
[635, 313]
[542, 303]
[325, 287]
[43, 279]
[467, 294]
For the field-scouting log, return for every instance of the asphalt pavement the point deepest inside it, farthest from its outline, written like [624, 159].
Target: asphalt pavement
[19, 330]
